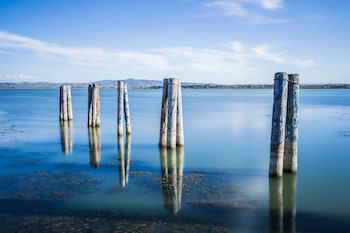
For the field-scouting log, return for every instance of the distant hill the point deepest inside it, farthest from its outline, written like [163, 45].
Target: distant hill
[152, 84]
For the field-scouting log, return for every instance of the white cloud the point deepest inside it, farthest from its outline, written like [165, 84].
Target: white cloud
[271, 4]
[264, 51]
[228, 7]
[17, 78]
[252, 10]
[304, 62]
[236, 59]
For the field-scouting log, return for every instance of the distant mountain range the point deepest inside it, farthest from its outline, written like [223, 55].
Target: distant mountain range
[154, 84]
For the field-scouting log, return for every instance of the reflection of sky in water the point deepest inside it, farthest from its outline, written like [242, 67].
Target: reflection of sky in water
[225, 131]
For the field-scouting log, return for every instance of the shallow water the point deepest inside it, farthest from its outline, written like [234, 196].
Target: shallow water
[217, 182]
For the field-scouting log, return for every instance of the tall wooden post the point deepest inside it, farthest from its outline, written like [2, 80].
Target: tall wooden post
[93, 106]
[66, 112]
[290, 161]
[127, 110]
[123, 109]
[164, 116]
[278, 124]
[172, 112]
[120, 108]
[64, 103]
[69, 103]
[171, 120]
[179, 127]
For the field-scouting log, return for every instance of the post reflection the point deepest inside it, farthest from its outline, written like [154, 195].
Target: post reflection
[124, 159]
[172, 172]
[283, 203]
[66, 128]
[94, 146]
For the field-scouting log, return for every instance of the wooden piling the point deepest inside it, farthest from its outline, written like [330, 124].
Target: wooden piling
[93, 106]
[278, 124]
[172, 112]
[171, 119]
[127, 110]
[120, 108]
[290, 161]
[69, 103]
[164, 116]
[64, 103]
[179, 128]
[66, 112]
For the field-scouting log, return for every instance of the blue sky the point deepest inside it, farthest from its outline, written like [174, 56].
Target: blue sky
[219, 41]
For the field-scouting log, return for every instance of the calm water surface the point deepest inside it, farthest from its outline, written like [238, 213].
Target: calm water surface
[219, 180]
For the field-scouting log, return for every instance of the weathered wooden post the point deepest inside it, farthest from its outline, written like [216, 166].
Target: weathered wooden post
[94, 106]
[171, 120]
[66, 112]
[278, 124]
[69, 103]
[290, 161]
[120, 108]
[172, 112]
[164, 116]
[179, 127]
[94, 146]
[127, 110]
[123, 109]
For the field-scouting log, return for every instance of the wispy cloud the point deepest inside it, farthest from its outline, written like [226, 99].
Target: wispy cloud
[264, 51]
[18, 78]
[255, 11]
[236, 58]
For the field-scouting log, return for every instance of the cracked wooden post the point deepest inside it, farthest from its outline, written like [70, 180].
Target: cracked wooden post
[66, 112]
[127, 110]
[164, 115]
[171, 120]
[179, 126]
[172, 112]
[278, 124]
[93, 106]
[69, 103]
[120, 108]
[290, 161]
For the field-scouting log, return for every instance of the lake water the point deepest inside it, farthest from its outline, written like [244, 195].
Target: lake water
[67, 177]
